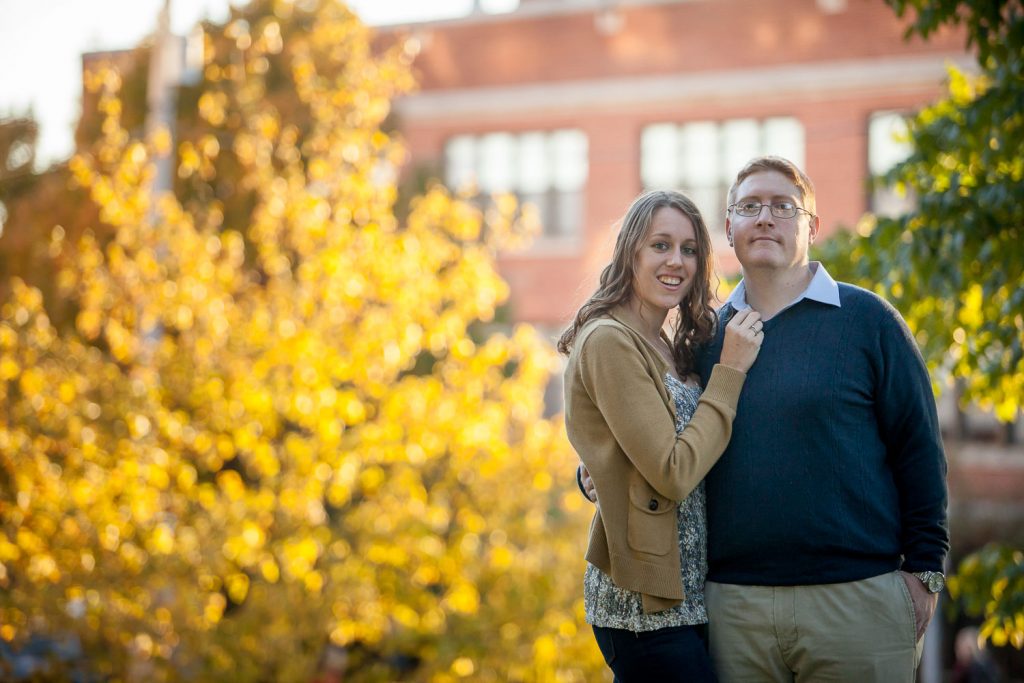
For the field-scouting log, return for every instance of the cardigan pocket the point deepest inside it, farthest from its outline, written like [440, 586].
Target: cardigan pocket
[649, 529]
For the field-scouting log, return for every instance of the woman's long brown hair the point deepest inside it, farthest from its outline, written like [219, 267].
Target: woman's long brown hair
[695, 324]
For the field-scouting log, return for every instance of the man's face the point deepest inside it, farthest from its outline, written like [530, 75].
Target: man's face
[765, 241]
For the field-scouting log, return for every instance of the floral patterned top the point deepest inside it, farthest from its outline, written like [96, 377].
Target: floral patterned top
[612, 607]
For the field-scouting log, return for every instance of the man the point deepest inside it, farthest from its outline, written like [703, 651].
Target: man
[827, 513]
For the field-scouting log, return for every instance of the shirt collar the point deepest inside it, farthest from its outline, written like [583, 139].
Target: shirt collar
[822, 288]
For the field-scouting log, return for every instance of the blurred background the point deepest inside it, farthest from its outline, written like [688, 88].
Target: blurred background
[280, 282]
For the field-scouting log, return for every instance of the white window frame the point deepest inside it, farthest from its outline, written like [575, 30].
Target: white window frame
[546, 169]
[888, 145]
[702, 157]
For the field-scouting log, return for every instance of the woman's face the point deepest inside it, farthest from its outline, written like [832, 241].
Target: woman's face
[666, 262]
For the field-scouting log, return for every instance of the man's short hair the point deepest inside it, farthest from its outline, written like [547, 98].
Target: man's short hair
[780, 165]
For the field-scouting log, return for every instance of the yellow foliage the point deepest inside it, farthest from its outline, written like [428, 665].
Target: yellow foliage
[261, 437]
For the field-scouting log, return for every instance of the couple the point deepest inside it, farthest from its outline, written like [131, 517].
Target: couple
[813, 501]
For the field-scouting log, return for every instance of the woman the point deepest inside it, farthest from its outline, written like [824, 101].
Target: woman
[637, 417]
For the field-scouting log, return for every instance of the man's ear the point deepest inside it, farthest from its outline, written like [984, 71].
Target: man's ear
[813, 225]
[728, 229]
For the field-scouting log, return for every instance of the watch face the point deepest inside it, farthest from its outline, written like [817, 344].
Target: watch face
[936, 583]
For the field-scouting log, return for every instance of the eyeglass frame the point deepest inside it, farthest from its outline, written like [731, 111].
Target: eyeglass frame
[771, 210]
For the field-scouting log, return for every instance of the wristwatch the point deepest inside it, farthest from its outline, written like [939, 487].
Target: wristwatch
[933, 581]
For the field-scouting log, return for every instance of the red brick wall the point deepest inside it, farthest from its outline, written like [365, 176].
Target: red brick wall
[725, 38]
[662, 38]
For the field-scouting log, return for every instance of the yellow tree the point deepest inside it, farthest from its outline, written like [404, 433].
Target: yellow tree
[264, 436]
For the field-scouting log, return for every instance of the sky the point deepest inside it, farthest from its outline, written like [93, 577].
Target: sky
[41, 43]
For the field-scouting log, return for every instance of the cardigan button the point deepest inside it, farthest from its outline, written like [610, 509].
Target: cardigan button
[653, 505]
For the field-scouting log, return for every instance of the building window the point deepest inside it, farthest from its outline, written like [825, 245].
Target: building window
[701, 158]
[547, 169]
[888, 145]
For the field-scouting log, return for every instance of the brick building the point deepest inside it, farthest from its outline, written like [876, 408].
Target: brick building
[578, 105]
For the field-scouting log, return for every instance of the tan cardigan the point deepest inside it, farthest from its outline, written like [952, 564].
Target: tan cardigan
[620, 419]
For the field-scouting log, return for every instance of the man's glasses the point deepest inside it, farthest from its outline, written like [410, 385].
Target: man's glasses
[778, 209]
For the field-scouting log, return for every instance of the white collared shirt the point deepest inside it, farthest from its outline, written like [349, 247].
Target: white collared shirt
[821, 288]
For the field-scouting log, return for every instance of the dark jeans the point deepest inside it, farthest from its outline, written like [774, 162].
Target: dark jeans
[677, 653]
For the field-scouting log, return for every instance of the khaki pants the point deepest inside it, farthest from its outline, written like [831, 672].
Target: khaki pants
[862, 631]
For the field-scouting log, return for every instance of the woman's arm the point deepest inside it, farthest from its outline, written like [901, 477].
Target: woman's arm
[617, 379]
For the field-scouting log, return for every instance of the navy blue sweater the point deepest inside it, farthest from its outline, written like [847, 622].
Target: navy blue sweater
[835, 471]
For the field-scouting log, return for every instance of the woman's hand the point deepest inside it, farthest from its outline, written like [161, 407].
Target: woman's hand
[743, 337]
